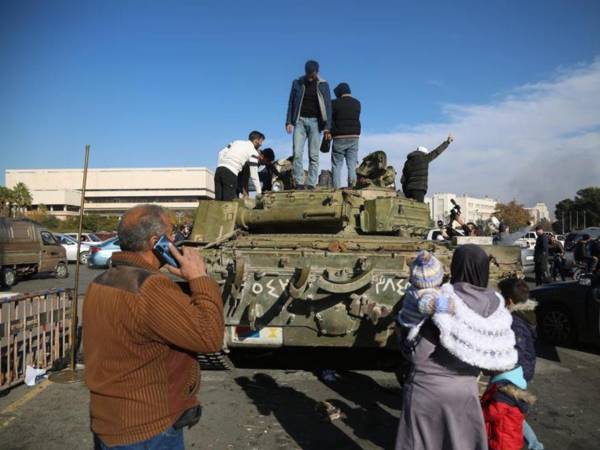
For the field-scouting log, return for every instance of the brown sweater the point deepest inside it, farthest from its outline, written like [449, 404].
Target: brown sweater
[141, 333]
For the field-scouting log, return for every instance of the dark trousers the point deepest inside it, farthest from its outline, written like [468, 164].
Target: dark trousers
[418, 195]
[541, 272]
[225, 184]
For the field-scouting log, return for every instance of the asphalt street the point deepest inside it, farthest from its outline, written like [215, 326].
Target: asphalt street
[271, 408]
[44, 281]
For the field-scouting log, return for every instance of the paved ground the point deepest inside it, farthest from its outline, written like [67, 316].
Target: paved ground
[272, 408]
[46, 281]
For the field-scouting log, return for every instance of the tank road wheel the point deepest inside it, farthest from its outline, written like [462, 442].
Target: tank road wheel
[61, 270]
[9, 277]
[83, 257]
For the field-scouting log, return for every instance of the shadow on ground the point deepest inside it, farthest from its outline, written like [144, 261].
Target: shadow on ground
[361, 411]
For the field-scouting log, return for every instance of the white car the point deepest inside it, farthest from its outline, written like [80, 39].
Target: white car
[527, 240]
[88, 238]
[70, 246]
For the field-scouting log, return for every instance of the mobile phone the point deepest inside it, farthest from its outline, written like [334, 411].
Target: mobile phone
[161, 249]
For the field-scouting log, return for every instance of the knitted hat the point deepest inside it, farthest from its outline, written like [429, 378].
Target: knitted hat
[311, 67]
[341, 89]
[426, 271]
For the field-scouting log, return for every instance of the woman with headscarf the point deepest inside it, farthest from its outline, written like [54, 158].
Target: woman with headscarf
[441, 408]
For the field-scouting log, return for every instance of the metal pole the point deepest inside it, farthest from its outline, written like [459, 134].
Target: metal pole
[563, 222]
[74, 322]
[72, 375]
[577, 219]
[584, 219]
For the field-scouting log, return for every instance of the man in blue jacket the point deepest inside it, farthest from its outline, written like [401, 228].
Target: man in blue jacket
[308, 113]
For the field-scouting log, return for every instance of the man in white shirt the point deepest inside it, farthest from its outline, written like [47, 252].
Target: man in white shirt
[231, 161]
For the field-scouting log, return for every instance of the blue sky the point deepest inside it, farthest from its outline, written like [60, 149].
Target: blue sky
[151, 83]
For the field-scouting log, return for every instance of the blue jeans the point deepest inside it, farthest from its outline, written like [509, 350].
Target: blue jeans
[345, 148]
[531, 438]
[306, 128]
[171, 439]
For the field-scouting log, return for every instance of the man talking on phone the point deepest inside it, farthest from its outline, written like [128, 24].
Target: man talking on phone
[141, 335]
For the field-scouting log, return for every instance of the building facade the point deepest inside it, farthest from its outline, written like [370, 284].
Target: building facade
[113, 191]
[539, 212]
[473, 209]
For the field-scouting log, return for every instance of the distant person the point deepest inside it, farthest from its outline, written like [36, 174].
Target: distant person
[415, 173]
[142, 334]
[556, 252]
[265, 175]
[308, 113]
[540, 256]
[231, 162]
[583, 253]
[345, 132]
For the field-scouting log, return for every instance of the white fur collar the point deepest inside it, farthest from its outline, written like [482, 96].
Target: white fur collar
[484, 342]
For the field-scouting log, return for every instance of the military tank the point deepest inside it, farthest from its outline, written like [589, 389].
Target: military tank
[319, 268]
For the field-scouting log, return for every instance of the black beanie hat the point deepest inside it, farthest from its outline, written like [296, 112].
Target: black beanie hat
[311, 67]
[341, 89]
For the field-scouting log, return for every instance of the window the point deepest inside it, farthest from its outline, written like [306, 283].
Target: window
[48, 239]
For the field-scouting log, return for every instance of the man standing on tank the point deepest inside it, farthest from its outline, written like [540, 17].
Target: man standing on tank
[308, 113]
[345, 132]
[415, 173]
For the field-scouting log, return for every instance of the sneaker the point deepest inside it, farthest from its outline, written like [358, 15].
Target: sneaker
[300, 187]
[310, 188]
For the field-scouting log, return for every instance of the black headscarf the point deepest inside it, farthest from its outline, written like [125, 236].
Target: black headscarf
[470, 264]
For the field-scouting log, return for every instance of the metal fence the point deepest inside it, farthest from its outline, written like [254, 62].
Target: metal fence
[35, 330]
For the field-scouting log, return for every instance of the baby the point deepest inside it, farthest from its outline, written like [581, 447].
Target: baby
[423, 297]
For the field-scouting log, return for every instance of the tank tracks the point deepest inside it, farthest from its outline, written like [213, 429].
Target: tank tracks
[215, 361]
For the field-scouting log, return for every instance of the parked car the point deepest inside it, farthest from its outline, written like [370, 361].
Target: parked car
[101, 255]
[569, 312]
[27, 248]
[70, 245]
[85, 237]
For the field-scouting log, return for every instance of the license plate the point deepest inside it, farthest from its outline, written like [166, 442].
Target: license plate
[268, 336]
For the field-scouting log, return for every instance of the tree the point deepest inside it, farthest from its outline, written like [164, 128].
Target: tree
[512, 214]
[6, 199]
[584, 209]
[40, 215]
[21, 197]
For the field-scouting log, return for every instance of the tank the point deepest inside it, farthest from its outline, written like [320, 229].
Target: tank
[320, 268]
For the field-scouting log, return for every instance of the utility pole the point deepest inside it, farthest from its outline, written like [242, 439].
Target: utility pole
[570, 221]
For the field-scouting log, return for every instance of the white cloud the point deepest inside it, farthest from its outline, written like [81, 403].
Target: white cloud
[540, 142]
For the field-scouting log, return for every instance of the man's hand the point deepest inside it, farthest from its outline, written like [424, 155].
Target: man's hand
[327, 135]
[191, 263]
[450, 139]
[289, 128]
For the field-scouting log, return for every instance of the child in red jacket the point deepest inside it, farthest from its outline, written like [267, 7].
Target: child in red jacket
[506, 400]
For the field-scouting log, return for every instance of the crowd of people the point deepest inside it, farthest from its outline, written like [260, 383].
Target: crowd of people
[311, 113]
[142, 332]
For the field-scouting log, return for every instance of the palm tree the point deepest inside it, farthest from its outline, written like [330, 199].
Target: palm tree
[6, 199]
[22, 197]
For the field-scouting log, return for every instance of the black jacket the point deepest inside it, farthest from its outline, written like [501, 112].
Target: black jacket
[540, 252]
[415, 173]
[346, 117]
[525, 339]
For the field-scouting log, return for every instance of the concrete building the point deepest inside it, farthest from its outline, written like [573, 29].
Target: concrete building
[473, 208]
[112, 191]
[539, 212]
